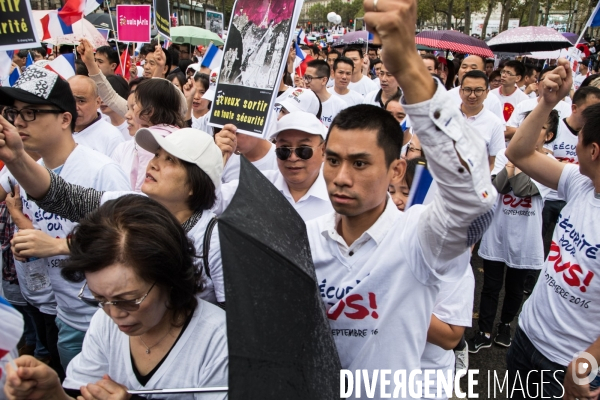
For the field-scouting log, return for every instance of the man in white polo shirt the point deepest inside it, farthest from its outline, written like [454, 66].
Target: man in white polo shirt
[359, 83]
[316, 77]
[90, 129]
[476, 63]
[299, 140]
[389, 89]
[508, 93]
[473, 89]
[343, 67]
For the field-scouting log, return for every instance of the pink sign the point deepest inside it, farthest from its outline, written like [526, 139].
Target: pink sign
[133, 23]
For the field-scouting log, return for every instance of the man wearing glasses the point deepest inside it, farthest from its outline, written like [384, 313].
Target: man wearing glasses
[299, 140]
[42, 108]
[473, 92]
[316, 78]
[508, 93]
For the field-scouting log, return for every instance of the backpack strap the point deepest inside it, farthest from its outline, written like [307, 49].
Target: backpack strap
[206, 244]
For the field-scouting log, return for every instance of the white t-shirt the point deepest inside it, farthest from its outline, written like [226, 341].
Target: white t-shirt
[578, 80]
[198, 359]
[202, 124]
[124, 131]
[517, 117]
[491, 102]
[561, 315]
[87, 168]
[351, 98]
[454, 306]
[363, 86]
[514, 237]
[101, 136]
[563, 147]
[370, 98]
[491, 129]
[331, 108]
[231, 171]
[509, 103]
[312, 205]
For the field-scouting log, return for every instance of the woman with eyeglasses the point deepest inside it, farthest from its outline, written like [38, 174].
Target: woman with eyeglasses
[153, 331]
[183, 176]
[299, 140]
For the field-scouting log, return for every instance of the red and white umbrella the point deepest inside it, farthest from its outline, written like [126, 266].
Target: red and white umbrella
[454, 41]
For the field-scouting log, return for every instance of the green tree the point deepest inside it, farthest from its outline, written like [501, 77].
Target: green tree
[317, 14]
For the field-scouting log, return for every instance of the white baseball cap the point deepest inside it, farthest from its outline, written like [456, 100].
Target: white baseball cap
[301, 100]
[191, 145]
[213, 78]
[300, 121]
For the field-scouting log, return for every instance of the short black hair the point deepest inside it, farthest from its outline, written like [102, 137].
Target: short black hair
[179, 76]
[111, 55]
[203, 78]
[174, 52]
[590, 132]
[334, 51]
[489, 61]
[321, 66]
[374, 62]
[529, 69]
[495, 74]
[135, 82]
[147, 48]
[583, 93]
[433, 58]
[545, 71]
[184, 64]
[119, 85]
[354, 48]
[22, 53]
[585, 61]
[40, 50]
[80, 68]
[160, 102]
[518, 66]
[342, 59]
[552, 122]
[372, 118]
[476, 74]
[588, 80]
[315, 49]
[168, 59]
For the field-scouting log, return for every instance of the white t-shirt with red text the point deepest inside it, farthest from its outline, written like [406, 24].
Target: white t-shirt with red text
[561, 315]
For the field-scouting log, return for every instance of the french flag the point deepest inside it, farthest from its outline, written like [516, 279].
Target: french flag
[423, 187]
[54, 26]
[74, 10]
[63, 65]
[12, 327]
[212, 57]
[302, 37]
[299, 56]
[29, 60]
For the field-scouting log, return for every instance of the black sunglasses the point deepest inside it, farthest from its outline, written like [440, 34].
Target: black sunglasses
[304, 152]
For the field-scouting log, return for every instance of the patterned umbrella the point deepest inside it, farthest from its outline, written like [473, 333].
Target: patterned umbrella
[454, 41]
[529, 38]
[573, 37]
[356, 37]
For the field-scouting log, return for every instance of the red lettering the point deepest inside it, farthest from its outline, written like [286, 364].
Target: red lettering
[335, 311]
[515, 202]
[571, 277]
[361, 311]
[554, 249]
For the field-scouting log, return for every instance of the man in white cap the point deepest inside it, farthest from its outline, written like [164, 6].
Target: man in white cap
[299, 139]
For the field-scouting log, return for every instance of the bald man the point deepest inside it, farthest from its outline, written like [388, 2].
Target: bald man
[491, 103]
[90, 129]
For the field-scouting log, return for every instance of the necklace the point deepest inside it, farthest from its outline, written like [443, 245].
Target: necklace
[154, 345]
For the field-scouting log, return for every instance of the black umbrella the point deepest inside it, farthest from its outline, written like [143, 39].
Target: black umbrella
[103, 20]
[280, 343]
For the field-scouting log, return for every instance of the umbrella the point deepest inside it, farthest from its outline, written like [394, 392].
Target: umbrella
[279, 338]
[194, 36]
[572, 37]
[356, 37]
[527, 39]
[102, 20]
[454, 41]
[81, 29]
[552, 55]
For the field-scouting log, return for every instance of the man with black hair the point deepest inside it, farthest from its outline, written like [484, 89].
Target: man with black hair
[107, 60]
[508, 93]
[431, 62]
[528, 84]
[489, 66]
[315, 78]
[20, 58]
[343, 68]
[174, 53]
[157, 64]
[372, 53]
[559, 321]
[359, 82]
[39, 53]
[583, 72]
[332, 55]
[389, 89]
[473, 88]
[564, 109]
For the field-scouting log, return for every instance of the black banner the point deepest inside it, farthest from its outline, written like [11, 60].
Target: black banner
[245, 107]
[17, 29]
[162, 18]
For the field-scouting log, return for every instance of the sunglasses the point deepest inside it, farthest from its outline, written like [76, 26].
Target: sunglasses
[125, 305]
[304, 152]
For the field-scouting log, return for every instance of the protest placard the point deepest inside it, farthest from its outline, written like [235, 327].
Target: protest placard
[214, 22]
[162, 20]
[253, 64]
[17, 26]
[133, 23]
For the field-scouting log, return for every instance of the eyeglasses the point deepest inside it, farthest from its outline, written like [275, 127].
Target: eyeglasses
[412, 148]
[27, 114]
[309, 78]
[478, 92]
[125, 305]
[507, 73]
[304, 152]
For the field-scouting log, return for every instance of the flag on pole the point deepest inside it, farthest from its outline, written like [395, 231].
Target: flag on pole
[29, 60]
[74, 10]
[423, 187]
[63, 65]
[594, 20]
[302, 37]
[53, 26]
[212, 57]
[5, 62]
[14, 76]
[126, 63]
[12, 327]
[299, 56]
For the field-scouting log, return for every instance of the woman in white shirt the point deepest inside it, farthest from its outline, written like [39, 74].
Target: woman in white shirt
[136, 263]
